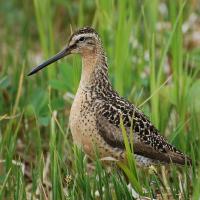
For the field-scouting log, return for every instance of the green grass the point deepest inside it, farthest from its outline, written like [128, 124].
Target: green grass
[157, 69]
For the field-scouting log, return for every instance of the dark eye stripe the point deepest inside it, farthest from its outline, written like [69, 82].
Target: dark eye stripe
[83, 38]
[91, 43]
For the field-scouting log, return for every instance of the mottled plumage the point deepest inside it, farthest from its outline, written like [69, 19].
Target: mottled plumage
[97, 109]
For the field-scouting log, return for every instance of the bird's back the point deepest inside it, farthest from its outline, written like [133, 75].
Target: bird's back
[149, 145]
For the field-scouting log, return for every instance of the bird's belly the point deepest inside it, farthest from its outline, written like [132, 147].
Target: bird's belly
[80, 132]
[82, 124]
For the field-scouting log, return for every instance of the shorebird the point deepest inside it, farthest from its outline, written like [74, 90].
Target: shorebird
[97, 110]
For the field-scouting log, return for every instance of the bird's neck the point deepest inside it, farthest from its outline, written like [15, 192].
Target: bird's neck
[94, 69]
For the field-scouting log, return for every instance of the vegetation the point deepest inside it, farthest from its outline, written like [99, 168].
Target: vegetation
[153, 54]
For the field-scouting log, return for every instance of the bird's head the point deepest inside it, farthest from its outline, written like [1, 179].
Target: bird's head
[84, 42]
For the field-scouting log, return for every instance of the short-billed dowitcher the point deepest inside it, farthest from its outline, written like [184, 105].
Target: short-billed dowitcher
[97, 109]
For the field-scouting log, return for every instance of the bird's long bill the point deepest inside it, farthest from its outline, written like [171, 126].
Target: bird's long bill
[58, 56]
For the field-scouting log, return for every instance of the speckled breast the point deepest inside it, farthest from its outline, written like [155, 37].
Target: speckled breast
[82, 121]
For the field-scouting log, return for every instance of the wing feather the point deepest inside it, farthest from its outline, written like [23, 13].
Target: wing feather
[147, 141]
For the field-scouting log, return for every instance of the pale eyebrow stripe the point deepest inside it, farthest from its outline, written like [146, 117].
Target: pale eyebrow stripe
[87, 35]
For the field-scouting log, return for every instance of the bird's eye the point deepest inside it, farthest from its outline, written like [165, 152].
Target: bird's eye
[81, 39]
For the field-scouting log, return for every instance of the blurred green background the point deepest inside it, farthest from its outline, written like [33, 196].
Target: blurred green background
[153, 52]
